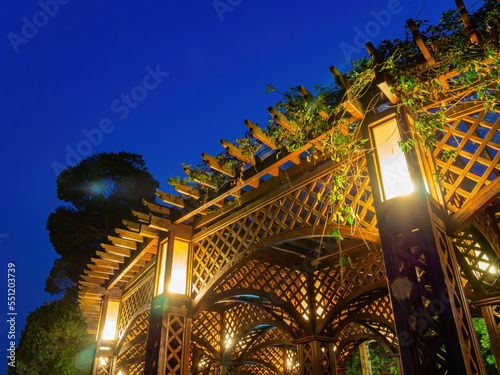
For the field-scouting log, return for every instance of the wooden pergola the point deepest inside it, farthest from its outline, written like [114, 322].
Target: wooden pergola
[274, 286]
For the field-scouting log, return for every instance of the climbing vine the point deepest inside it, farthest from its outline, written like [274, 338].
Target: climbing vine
[418, 85]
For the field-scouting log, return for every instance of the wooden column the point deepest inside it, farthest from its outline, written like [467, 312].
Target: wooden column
[227, 368]
[316, 356]
[364, 356]
[432, 317]
[105, 359]
[491, 315]
[169, 335]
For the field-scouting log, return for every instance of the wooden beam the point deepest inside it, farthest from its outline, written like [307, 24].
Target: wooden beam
[128, 235]
[105, 263]
[385, 84]
[217, 166]
[313, 102]
[141, 216]
[417, 37]
[131, 262]
[187, 190]
[131, 225]
[120, 242]
[351, 104]
[238, 152]
[174, 200]
[372, 51]
[473, 205]
[466, 20]
[110, 249]
[148, 232]
[157, 208]
[342, 81]
[261, 135]
[282, 119]
[110, 257]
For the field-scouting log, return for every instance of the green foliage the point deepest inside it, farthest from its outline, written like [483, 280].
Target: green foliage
[54, 341]
[485, 344]
[100, 191]
[381, 361]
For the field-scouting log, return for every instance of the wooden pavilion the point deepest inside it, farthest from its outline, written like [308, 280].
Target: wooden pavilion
[282, 270]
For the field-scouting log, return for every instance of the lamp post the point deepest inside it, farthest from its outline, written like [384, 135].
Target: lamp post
[432, 318]
[106, 339]
[169, 325]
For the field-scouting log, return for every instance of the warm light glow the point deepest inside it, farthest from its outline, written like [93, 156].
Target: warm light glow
[103, 361]
[109, 331]
[178, 277]
[486, 266]
[161, 270]
[395, 176]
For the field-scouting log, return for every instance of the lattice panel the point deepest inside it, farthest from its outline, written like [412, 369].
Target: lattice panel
[478, 263]
[335, 283]
[307, 360]
[139, 327]
[103, 366]
[240, 316]
[272, 355]
[273, 334]
[175, 335]
[282, 282]
[380, 307]
[245, 342]
[134, 357]
[255, 369]
[465, 329]
[474, 141]
[136, 369]
[140, 299]
[306, 206]
[207, 325]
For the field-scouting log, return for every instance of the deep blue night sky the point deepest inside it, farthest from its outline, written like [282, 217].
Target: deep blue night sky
[70, 72]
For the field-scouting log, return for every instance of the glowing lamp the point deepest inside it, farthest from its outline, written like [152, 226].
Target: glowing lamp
[390, 161]
[172, 266]
[111, 320]
[178, 277]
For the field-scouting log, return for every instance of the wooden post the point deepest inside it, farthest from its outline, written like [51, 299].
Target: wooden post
[364, 356]
[169, 335]
[432, 317]
[316, 356]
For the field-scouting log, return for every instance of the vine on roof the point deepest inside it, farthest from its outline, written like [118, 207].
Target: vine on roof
[415, 82]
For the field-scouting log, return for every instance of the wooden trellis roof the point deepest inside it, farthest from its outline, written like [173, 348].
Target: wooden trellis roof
[469, 185]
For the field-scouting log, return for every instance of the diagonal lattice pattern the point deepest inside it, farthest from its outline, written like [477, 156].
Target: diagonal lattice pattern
[207, 325]
[139, 299]
[474, 142]
[306, 206]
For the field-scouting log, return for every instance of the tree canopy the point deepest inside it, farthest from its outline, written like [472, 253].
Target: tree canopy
[100, 192]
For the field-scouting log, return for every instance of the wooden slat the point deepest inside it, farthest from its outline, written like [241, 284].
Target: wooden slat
[105, 263]
[148, 232]
[120, 242]
[131, 225]
[351, 104]
[170, 199]
[466, 20]
[110, 249]
[417, 37]
[157, 208]
[160, 223]
[282, 119]
[132, 262]
[128, 235]
[187, 190]
[217, 166]
[102, 270]
[238, 152]
[342, 81]
[110, 257]
[261, 135]
[141, 216]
